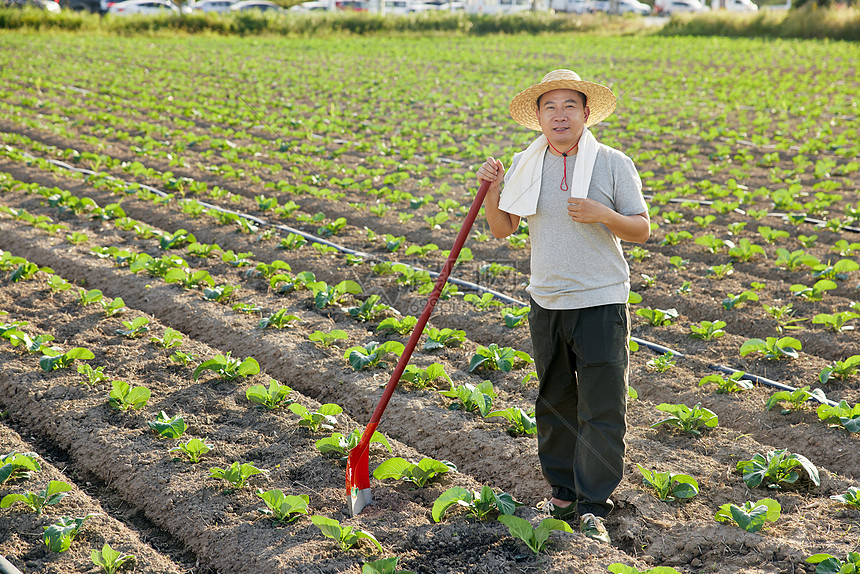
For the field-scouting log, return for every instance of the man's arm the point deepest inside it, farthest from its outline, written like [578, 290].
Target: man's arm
[632, 228]
[501, 222]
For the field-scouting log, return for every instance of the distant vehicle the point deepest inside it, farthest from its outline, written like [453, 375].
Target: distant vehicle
[312, 6]
[142, 7]
[401, 7]
[445, 6]
[633, 7]
[46, 5]
[497, 6]
[669, 7]
[352, 5]
[572, 6]
[258, 5]
[221, 6]
[734, 5]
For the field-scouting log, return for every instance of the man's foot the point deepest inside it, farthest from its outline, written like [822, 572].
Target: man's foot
[556, 510]
[592, 526]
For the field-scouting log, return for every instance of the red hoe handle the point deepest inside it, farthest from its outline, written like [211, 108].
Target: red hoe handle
[357, 470]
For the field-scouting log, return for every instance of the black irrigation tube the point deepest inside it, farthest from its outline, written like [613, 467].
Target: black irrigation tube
[468, 284]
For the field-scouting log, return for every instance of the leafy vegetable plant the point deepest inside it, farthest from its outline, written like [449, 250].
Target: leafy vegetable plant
[498, 359]
[58, 537]
[842, 415]
[796, 399]
[472, 398]
[372, 354]
[275, 397]
[736, 301]
[194, 448]
[322, 339]
[168, 427]
[439, 338]
[851, 497]
[836, 322]
[325, 295]
[840, 369]
[534, 537]
[478, 504]
[341, 445]
[323, 418]
[727, 384]
[369, 309]
[92, 376]
[37, 501]
[228, 368]
[521, 422]
[236, 474]
[658, 317]
[776, 467]
[169, 340]
[280, 319]
[284, 508]
[752, 516]
[670, 486]
[383, 566]
[401, 326]
[772, 348]
[109, 559]
[689, 420]
[707, 330]
[418, 474]
[124, 397]
[345, 536]
[135, 328]
[619, 568]
[53, 359]
[421, 378]
[829, 564]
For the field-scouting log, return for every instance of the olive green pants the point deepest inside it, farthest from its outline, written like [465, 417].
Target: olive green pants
[581, 358]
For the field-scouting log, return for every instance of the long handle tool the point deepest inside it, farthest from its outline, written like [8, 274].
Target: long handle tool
[357, 469]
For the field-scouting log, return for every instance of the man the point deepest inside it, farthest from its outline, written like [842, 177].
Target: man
[581, 199]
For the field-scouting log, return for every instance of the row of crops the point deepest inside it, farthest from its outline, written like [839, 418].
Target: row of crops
[187, 300]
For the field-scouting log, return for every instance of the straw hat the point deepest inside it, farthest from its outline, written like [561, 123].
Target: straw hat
[599, 99]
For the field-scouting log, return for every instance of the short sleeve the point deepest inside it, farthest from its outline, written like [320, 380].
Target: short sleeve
[628, 186]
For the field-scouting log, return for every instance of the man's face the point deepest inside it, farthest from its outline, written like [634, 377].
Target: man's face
[562, 117]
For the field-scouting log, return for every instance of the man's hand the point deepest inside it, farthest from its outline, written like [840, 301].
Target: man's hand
[501, 223]
[632, 228]
[493, 171]
[584, 210]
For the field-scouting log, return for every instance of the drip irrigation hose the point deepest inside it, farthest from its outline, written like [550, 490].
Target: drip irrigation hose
[6, 567]
[460, 282]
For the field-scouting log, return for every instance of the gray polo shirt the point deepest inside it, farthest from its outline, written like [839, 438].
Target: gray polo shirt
[577, 265]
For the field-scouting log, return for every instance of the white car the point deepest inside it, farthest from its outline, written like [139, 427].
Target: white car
[221, 6]
[259, 5]
[445, 6]
[680, 6]
[312, 6]
[142, 7]
[633, 7]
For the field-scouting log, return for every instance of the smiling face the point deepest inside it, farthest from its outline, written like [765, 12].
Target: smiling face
[562, 115]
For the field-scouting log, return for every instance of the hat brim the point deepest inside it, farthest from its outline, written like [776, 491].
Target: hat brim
[599, 99]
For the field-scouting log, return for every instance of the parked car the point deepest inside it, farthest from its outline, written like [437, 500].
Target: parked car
[670, 7]
[46, 5]
[445, 5]
[571, 6]
[142, 7]
[259, 5]
[352, 5]
[313, 6]
[633, 7]
[221, 6]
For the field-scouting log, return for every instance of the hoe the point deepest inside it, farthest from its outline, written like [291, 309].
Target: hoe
[357, 469]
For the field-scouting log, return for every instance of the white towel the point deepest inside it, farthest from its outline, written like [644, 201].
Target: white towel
[522, 188]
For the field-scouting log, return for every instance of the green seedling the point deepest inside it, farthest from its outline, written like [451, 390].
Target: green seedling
[796, 399]
[662, 363]
[59, 536]
[189, 278]
[236, 474]
[322, 339]
[727, 384]
[745, 250]
[169, 340]
[167, 427]
[535, 538]
[689, 420]
[421, 378]
[829, 564]
[772, 235]
[32, 345]
[269, 270]
[281, 507]
[421, 250]
[383, 566]
[814, 293]
[228, 368]
[836, 322]
[369, 309]
[37, 501]
[676, 237]
[57, 284]
[323, 418]
[669, 487]
[841, 369]
[842, 415]
[478, 503]
[711, 243]
[522, 423]
[325, 295]
[843, 248]
[418, 474]
[678, 263]
[345, 536]
[619, 568]
[18, 466]
[135, 328]
[92, 376]
[89, 297]
[440, 338]
[204, 250]
[341, 445]
[372, 354]
[704, 221]
[484, 302]
[514, 317]
[772, 348]
[733, 301]
[124, 397]
[194, 448]
[777, 467]
[851, 497]
[292, 242]
[112, 307]
[658, 317]
[752, 516]
[278, 320]
[792, 261]
[839, 270]
[110, 560]
[53, 359]
[183, 358]
[27, 271]
[784, 317]
[175, 239]
[471, 397]
[402, 326]
[499, 359]
[275, 397]
[220, 294]
[721, 271]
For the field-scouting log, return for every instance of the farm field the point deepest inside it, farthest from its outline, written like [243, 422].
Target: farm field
[180, 174]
